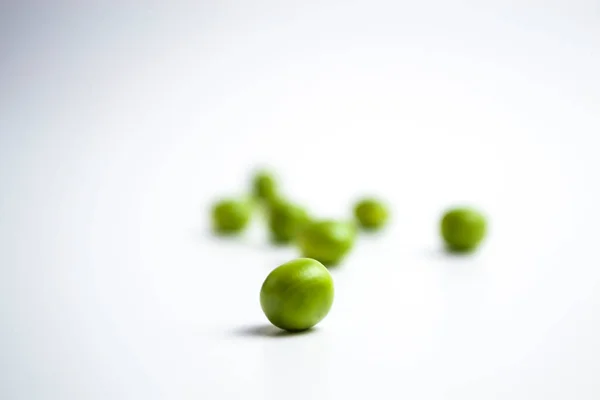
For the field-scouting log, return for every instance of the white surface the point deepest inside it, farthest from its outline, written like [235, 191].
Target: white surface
[120, 125]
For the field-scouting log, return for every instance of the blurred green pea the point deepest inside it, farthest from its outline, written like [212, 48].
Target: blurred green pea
[371, 214]
[264, 186]
[285, 220]
[231, 216]
[463, 229]
[327, 241]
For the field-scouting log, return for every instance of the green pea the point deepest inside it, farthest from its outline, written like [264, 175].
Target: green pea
[285, 221]
[327, 241]
[297, 295]
[463, 229]
[231, 216]
[264, 185]
[371, 214]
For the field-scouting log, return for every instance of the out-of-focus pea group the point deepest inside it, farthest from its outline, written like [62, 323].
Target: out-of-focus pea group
[325, 240]
[298, 294]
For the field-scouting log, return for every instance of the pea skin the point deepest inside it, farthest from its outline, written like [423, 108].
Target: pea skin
[297, 295]
[371, 214]
[463, 229]
[285, 220]
[231, 216]
[327, 241]
[264, 186]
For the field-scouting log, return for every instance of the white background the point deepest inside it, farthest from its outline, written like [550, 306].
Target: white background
[121, 123]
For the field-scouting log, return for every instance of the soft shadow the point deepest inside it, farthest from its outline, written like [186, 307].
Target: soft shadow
[372, 234]
[275, 243]
[267, 331]
[334, 267]
[230, 239]
[448, 253]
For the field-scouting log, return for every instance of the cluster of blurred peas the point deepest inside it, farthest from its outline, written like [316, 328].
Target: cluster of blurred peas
[298, 294]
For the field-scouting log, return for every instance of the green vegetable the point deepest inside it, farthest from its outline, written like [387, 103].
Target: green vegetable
[285, 221]
[463, 229]
[297, 295]
[264, 186]
[371, 214]
[231, 216]
[327, 241]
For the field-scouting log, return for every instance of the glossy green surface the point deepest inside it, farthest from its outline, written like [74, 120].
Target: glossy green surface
[327, 241]
[297, 295]
[285, 221]
[264, 185]
[463, 229]
[371, 214]
[231, 216]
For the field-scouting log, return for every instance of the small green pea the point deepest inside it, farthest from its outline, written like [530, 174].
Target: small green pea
[327, 241]
[371, 214]
[285, 220]
[264, 185]
[297, 295]
[463, 229]
[231, 216]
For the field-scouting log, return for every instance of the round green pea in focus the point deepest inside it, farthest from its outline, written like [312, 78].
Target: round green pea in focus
[264, 185]
[371, 214]
[231, 216]
[327, 241]
[463, 229]
[297, 295]
[285, 221]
